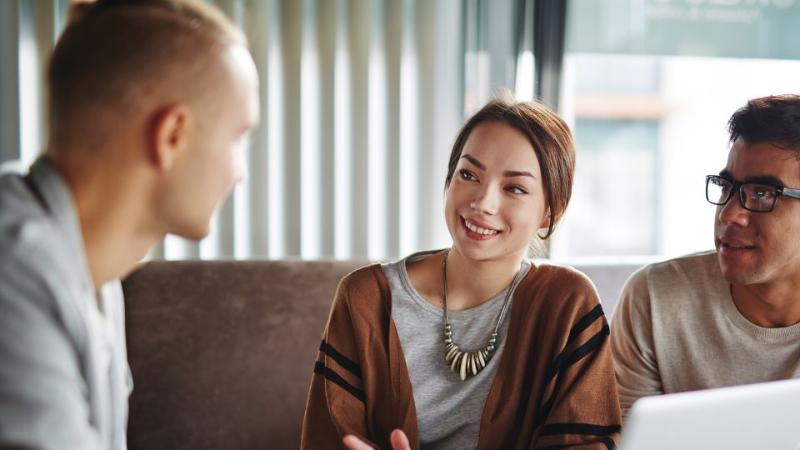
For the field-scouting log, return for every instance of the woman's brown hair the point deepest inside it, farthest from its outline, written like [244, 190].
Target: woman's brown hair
[550, 138]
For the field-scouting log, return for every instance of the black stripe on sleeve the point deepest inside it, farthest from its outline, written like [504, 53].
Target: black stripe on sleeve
[579, 428]
[563, 363]
[585, 321]
[606, 441]
[582, 324]
[334, 377]
[591, 345]
[340, 359]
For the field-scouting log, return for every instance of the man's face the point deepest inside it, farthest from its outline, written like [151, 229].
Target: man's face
[759, 247]
[214, 162]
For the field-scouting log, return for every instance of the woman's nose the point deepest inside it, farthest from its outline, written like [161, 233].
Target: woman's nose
[486, 201]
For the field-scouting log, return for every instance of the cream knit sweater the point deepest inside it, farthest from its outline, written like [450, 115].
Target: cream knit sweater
[677, 329]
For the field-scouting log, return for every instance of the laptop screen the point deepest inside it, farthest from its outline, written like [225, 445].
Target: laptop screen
[752, 417]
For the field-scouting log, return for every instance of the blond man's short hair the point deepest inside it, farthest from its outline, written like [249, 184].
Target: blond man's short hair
[115, 54]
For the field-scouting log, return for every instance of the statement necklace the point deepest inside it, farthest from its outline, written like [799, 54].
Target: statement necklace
[469, 363]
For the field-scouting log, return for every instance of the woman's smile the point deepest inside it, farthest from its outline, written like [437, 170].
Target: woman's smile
[478, 231]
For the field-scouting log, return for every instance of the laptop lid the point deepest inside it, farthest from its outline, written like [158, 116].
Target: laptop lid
[751, 417]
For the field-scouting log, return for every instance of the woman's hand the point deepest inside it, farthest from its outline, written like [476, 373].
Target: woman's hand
[398, 439]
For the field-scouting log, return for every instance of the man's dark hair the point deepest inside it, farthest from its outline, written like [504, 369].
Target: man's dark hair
[774, 119]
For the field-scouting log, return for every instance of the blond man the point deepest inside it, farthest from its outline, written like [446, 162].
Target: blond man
[149, 102]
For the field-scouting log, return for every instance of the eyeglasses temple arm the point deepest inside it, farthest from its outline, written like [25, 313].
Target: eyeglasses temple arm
[789, 192]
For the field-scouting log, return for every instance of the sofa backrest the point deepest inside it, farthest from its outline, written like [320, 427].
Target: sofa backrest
[222, 352]
[609, 279]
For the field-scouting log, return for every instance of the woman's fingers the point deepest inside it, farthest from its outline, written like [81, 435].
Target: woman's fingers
[354, 443]
[399, 440]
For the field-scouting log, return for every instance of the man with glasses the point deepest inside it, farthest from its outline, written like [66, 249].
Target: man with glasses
[729, 316]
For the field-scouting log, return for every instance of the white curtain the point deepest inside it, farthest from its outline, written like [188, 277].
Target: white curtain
[360, 103]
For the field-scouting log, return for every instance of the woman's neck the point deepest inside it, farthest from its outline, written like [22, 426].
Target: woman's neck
[471, 282]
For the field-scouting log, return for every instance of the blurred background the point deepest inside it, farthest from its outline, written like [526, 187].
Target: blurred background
[362, 99]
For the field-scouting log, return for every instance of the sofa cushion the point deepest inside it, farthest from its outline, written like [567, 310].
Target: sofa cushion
[222, 352]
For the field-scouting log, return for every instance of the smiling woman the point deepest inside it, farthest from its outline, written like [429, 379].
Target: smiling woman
[427, 344]
[497, 194]
[550, 140]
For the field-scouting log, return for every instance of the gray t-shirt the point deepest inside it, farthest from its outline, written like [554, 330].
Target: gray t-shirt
[448, 410]
[64, 377]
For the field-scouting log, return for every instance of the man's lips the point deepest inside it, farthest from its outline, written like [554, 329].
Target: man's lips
[734, 243]
[733, 249]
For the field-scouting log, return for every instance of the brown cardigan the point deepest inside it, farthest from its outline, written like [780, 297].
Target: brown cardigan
[554, 386]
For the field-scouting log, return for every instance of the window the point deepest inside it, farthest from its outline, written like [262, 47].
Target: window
[648, 86]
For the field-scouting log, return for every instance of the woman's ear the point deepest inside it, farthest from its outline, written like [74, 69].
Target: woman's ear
[169, 135]
[544, 226]
[546, 220]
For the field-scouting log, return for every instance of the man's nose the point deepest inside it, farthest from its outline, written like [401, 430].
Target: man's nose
[733, 213]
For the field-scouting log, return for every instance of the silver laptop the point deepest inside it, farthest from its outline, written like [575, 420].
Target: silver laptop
[763, 416]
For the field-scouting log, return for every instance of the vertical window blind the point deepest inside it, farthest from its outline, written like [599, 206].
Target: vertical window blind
[360, 103]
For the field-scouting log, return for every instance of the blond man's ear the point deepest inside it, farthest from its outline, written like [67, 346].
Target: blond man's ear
[170, 135]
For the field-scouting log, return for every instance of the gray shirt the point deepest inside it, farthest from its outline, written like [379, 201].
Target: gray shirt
[677, 329]
[64, 376]
[448, 410]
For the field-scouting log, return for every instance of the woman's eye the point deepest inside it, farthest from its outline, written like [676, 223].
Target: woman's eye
[516, 190]
[467, 175]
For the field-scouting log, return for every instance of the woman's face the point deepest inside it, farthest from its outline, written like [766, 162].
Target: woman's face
[495, 203]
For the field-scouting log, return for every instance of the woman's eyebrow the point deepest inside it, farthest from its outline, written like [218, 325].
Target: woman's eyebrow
[507, 173]
[518, 173]
[474, 161]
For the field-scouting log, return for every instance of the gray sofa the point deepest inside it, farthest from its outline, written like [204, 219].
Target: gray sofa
[222, 351]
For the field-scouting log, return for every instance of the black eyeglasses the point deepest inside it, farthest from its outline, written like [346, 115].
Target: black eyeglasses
[756, 197]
